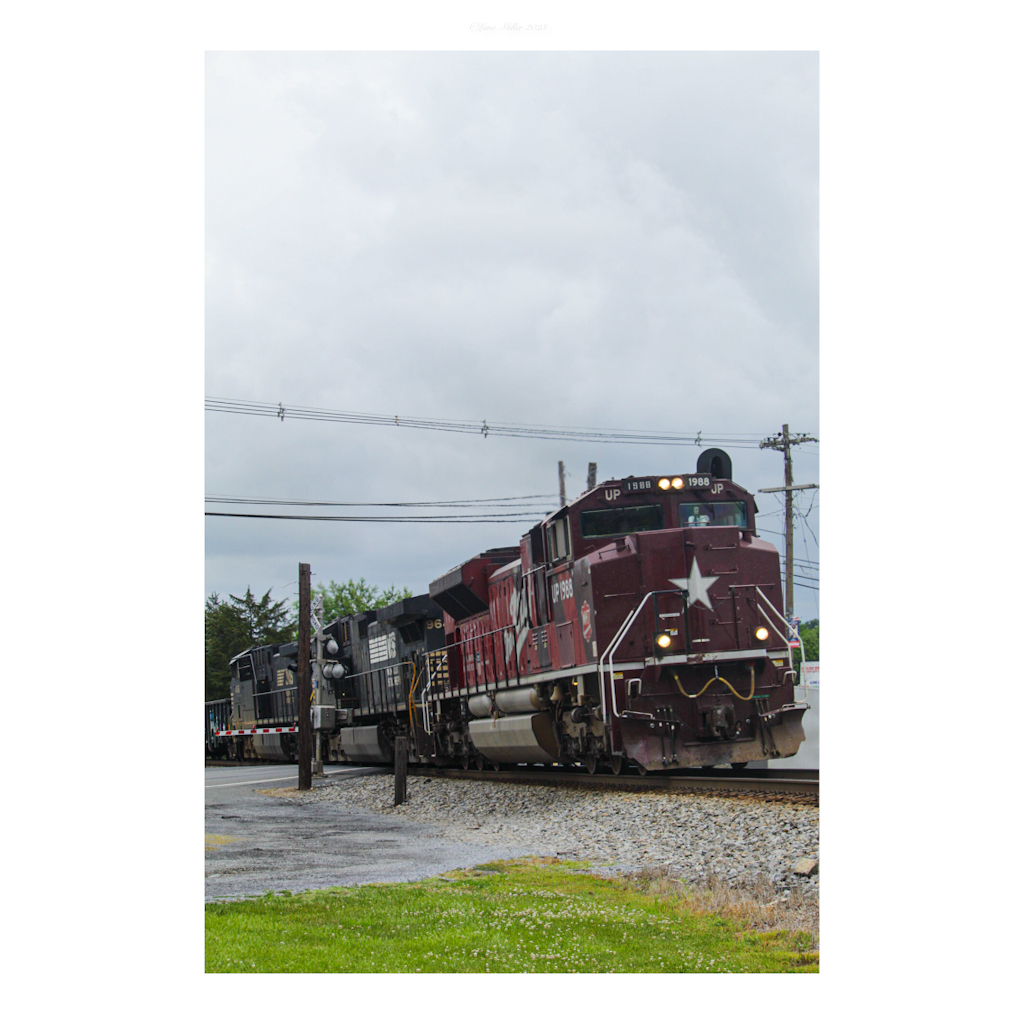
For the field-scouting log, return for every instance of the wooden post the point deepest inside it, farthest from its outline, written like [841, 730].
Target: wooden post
[305, 686]
[401, 767]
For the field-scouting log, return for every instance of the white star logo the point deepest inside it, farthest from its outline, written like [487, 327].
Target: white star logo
[697, 586]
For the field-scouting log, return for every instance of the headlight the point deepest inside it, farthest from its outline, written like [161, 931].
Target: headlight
[664, 484]
[664, 640]
[761, 633]
[677, 482]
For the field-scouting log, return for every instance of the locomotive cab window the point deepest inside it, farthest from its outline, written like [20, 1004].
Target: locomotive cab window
[559, 546]
[717, 513]
[612, 522]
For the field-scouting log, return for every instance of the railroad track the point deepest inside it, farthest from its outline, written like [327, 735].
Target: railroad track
[802, 782]
[791, 781]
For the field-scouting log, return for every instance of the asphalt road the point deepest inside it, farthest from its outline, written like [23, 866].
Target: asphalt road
[257, 843]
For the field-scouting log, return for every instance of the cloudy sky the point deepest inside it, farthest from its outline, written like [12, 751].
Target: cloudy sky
[610, 240]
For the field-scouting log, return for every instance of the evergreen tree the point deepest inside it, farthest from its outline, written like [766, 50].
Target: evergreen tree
[234, 625]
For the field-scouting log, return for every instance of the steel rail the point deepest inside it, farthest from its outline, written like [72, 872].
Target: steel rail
[785, 782]
[798, 782]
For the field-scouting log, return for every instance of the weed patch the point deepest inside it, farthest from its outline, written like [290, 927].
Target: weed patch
[756, 906]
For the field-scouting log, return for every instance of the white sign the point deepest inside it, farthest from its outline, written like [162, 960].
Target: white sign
[809, 673]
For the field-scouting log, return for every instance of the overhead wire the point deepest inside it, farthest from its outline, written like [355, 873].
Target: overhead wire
[593, 435]
[495, 517]
[520, 502]
[803, 533]
[806, 522]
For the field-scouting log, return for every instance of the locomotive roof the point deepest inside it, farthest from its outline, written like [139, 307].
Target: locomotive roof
[419, 607]
[289, 647]
[642, 493]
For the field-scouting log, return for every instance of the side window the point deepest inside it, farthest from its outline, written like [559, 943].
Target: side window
[558, 540]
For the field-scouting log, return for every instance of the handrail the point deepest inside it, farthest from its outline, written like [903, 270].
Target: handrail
[504, 631]
[369, 672]
[610, 654]
[410, 704]
[786, 639]
[425, 697]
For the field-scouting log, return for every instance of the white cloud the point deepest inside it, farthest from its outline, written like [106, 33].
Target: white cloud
[610, 239]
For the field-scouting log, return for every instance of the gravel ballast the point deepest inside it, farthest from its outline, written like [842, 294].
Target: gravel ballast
[691, 836]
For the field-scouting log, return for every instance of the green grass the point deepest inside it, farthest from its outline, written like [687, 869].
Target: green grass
[514, 916]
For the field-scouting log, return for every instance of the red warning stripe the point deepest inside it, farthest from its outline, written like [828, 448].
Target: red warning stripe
[254, 732]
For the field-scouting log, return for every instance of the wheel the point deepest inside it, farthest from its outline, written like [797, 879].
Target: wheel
[479, 762]
[738, 765]
[641, 768]
[591, 762]
[616, 764]
[465, 762]
[707, 768]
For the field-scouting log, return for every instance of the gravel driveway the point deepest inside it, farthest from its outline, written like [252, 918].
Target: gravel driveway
[691, 835]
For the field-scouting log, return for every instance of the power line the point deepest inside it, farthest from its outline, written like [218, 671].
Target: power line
[809, 530]
[520, 502]
[592, 435]
[512, 517]
[803, 534]
[798, 576]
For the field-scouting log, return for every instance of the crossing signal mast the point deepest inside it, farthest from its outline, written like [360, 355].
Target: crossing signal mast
[783, 442]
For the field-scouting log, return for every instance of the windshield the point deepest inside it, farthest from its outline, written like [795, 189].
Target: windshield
[717, 513]
[609, 522]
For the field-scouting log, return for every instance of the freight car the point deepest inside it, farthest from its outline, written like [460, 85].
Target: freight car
[640, 624]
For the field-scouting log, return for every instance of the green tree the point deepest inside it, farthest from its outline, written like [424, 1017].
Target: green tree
[234, 625]
[809, 634]
[354, 596]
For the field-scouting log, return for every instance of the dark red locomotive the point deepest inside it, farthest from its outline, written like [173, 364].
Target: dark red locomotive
[641, 623]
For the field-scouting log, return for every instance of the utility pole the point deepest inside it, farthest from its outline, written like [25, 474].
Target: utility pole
[561, 482]
[591, 476]
[305, 689]
[783, 442]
